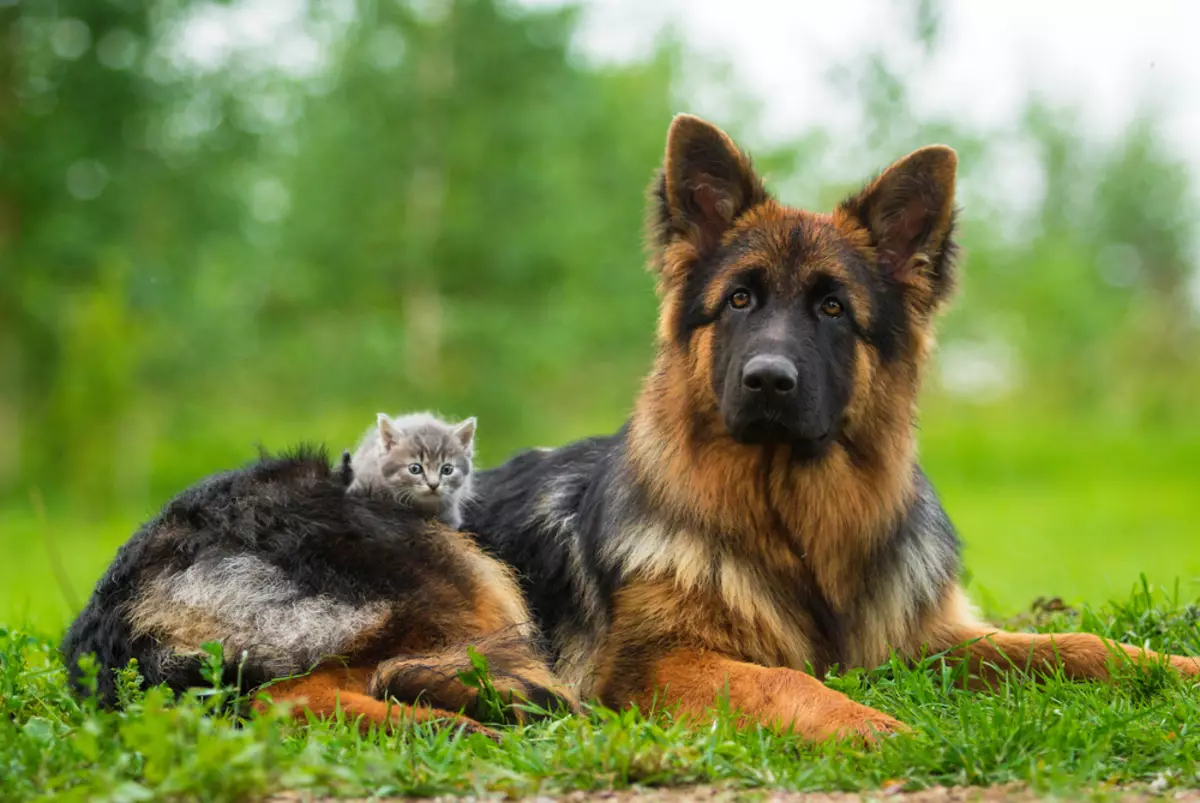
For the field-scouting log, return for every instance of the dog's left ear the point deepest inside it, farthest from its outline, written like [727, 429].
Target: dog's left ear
[909, 214]
[705, 184]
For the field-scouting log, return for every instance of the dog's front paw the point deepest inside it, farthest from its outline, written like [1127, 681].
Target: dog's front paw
[858, 723]
[1186, 665]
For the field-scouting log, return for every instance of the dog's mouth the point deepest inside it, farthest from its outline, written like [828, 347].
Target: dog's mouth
[812, 448]
[771, 431]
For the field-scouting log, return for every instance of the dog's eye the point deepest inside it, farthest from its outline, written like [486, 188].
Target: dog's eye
[740, 299]
[447, 470]
[415, 468]
[832, 307]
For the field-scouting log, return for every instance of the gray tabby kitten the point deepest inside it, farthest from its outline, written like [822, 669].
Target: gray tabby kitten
[422, 460]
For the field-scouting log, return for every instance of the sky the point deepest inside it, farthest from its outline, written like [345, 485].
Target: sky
[1107, 57]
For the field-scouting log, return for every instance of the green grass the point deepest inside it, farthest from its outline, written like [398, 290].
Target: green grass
[1048, 508]
[1077, 509]
[1045, 506]
[1057, 736]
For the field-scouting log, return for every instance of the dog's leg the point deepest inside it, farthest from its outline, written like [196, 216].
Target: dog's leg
[692, 681]
[1080, 656]
[515, 671]
[326, 691]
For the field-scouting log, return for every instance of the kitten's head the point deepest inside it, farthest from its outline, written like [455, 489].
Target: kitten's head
[427, 462]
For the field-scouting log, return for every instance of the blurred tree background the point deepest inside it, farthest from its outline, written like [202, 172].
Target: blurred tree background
[440, 206]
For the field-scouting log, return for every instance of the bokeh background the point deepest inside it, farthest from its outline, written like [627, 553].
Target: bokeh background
[260, 222]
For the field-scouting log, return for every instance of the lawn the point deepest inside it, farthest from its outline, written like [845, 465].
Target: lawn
[1049, 508]
[1074, 512]
[1056, 737]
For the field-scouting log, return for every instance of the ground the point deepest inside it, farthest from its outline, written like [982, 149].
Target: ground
[1136, 736]
[1044, 507]
[1062, 510]
[715, 794]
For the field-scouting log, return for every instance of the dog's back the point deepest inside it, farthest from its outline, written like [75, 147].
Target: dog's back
[288, 572]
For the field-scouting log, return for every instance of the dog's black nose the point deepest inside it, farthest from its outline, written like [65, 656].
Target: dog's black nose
[770, 373]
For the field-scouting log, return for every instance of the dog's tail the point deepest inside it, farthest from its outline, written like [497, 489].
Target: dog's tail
[499, 675]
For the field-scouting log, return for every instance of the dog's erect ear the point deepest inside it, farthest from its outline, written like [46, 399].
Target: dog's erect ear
[465, 432]
[909, 213]
[705, 184]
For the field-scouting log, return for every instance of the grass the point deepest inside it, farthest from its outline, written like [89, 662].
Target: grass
[1056, 736]
[1049, 508]
[1067, 508]
[1045, 506]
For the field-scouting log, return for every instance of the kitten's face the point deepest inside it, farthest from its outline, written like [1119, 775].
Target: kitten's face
[427, 467]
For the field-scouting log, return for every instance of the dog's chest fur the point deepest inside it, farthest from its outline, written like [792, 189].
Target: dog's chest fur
[603, 563]
[785, 608]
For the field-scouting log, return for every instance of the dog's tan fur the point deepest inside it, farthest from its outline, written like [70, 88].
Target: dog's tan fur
[677, 635]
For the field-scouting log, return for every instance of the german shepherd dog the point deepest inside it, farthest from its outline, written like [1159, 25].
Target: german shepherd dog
[762, 516]
[759, 519]
[349, 602]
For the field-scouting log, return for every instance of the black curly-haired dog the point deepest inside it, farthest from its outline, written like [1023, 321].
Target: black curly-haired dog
[352, 600]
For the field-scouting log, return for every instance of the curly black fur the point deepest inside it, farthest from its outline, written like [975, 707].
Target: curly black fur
[291, 513]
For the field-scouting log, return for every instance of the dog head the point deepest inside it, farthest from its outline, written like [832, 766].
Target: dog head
[787, 319]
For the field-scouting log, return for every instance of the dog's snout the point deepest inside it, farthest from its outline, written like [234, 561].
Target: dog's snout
[770, 373]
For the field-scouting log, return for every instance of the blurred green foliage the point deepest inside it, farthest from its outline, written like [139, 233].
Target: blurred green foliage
[441, 207]
[197, 259]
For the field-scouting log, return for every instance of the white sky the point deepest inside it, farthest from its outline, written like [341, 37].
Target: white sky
[1105, 57]
[1108, 57]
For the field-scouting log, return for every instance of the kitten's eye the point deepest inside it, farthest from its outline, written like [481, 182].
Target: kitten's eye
[447, 470]
[415, 468]
[741, 298]
[832, 307]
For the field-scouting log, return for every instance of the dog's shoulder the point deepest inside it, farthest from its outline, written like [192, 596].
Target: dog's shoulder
[540, 488]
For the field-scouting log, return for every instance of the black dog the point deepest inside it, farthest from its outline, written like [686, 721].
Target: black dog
[290, 574]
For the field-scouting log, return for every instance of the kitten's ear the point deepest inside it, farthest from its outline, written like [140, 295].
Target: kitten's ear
[388, 433]
[465, 432]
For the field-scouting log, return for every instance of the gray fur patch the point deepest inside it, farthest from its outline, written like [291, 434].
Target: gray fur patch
[556, 514]
[255, 609]
[927, 561]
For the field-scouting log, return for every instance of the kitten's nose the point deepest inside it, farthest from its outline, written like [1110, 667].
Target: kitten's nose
[433, 484]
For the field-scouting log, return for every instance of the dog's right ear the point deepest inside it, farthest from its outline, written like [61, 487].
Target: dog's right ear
[705, 184]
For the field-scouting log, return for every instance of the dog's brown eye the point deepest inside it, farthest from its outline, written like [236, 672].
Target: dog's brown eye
[832, 307]
[740, 299]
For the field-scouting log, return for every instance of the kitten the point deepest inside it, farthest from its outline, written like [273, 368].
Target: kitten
[421, 460]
